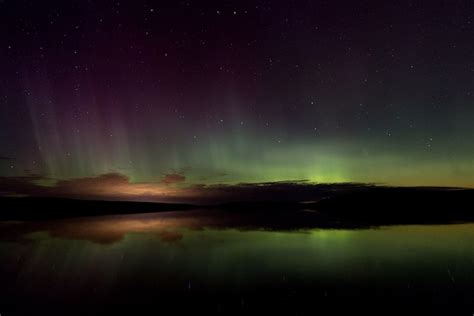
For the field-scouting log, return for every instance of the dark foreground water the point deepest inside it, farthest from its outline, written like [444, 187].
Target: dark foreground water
[228, 263]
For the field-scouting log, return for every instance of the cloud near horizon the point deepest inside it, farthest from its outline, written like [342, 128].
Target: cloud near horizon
[172, 188]
[173, 178]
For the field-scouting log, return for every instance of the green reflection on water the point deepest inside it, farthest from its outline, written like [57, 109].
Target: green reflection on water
[175, 254]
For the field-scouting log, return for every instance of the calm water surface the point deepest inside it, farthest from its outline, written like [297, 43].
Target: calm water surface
[142, 258]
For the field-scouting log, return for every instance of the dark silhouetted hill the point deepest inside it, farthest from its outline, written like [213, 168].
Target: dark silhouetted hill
[33, 208]
[364, 207]
[400, 205]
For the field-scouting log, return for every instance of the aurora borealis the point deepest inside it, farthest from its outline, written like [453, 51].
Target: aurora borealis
[146, 98]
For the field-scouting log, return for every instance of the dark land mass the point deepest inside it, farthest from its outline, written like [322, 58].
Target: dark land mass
[372, 206]
[383, 206]
[41, 208]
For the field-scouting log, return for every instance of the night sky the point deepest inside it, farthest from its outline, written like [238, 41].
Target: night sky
[158, 99]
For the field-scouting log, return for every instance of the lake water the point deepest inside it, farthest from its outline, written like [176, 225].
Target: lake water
[235, 262]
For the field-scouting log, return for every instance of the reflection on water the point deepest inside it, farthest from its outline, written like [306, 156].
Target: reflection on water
[139, 257]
